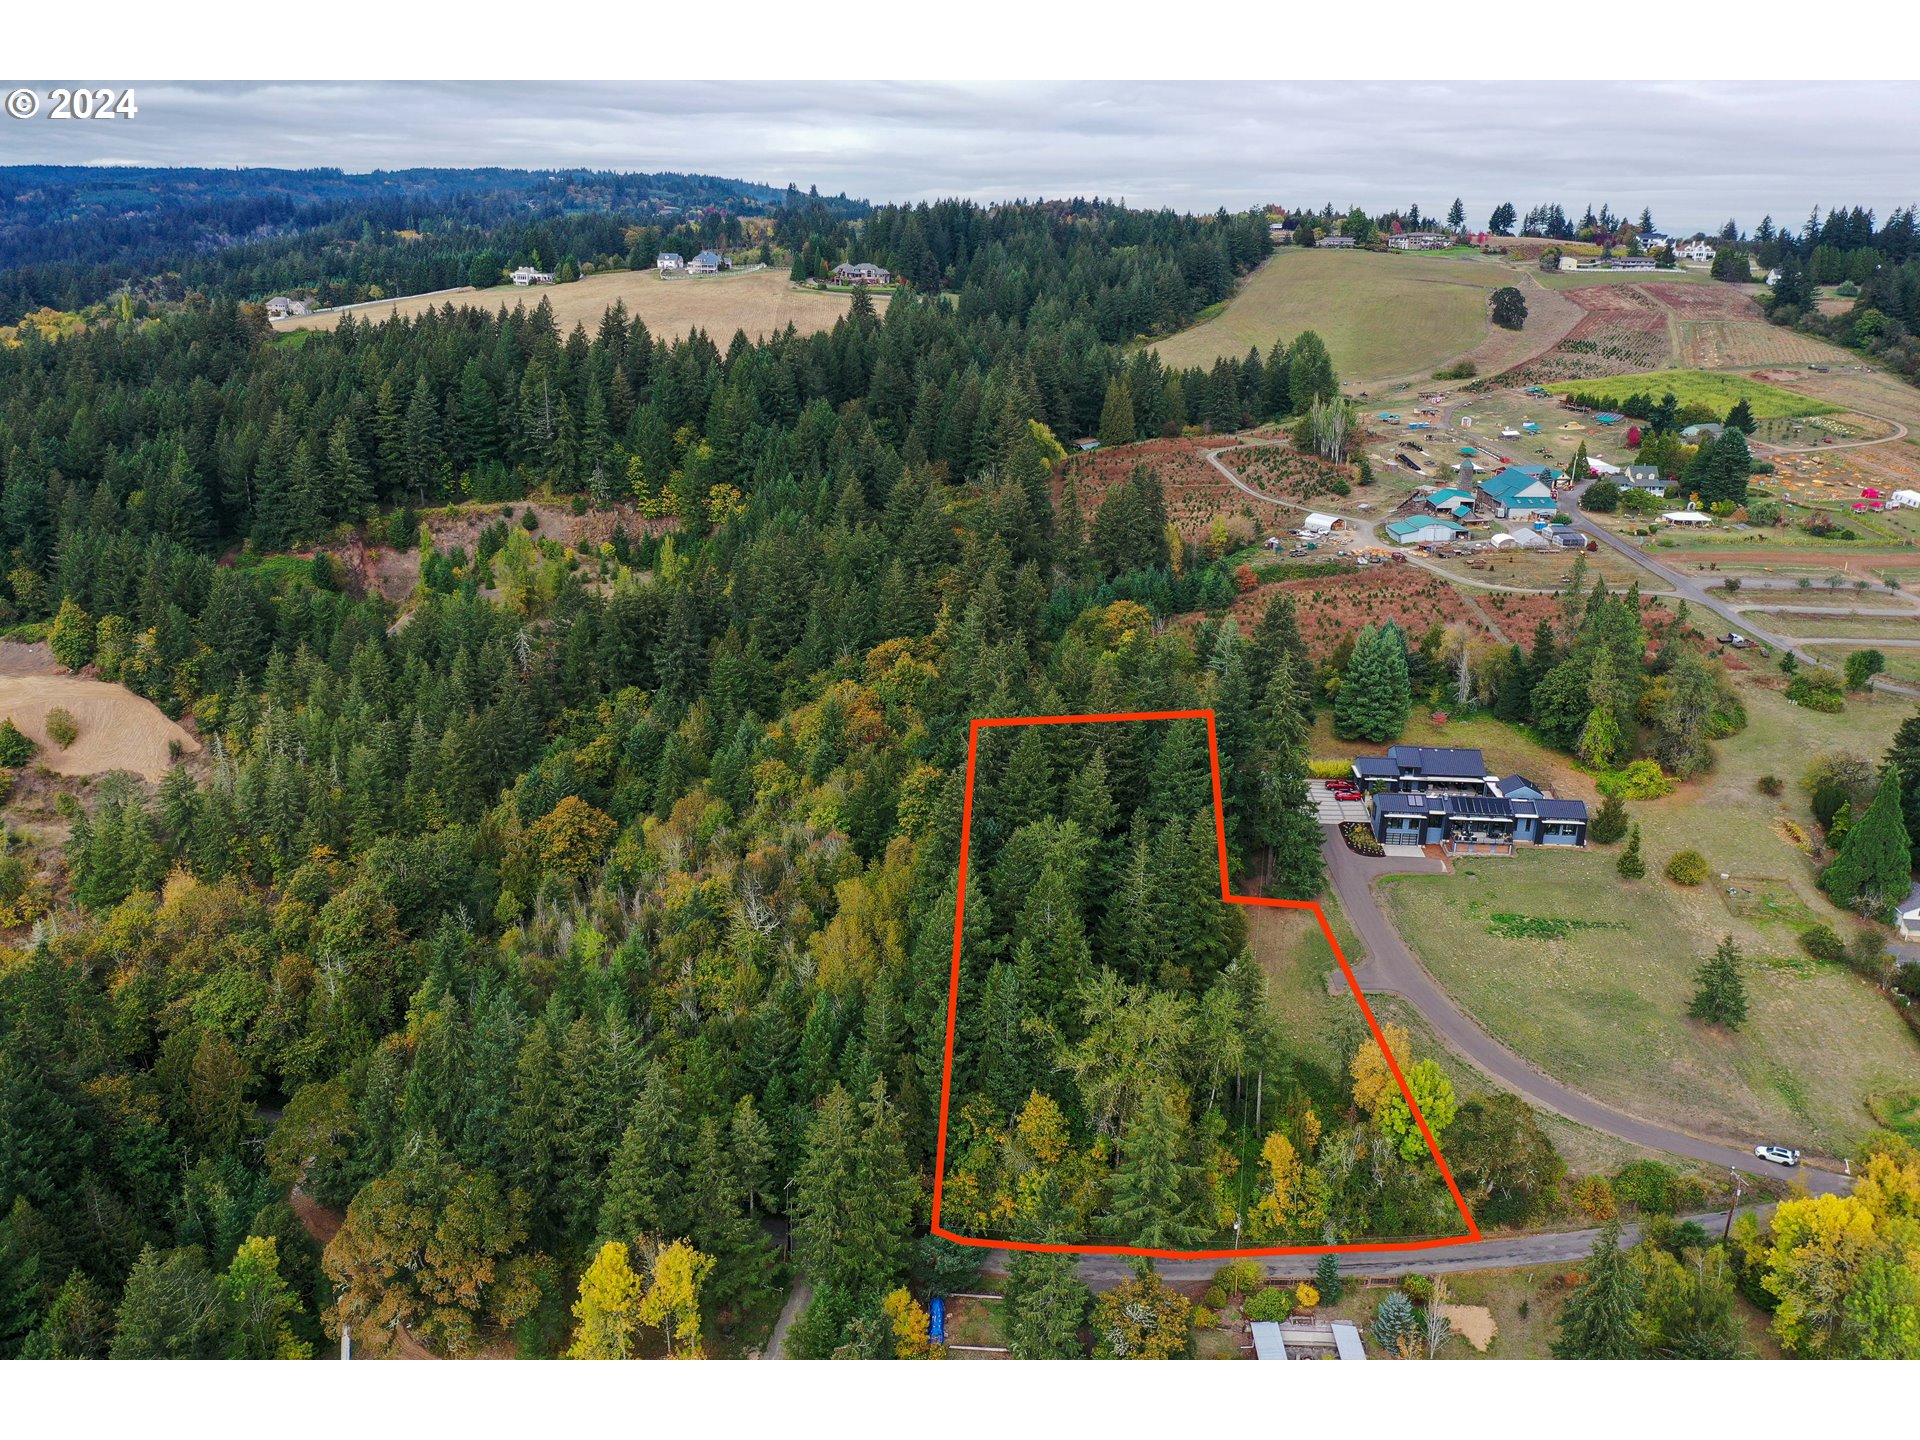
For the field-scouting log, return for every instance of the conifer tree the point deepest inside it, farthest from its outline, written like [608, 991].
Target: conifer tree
[1597, 1322]
[1874, 868]
[1630, 865]
[1374, 697]
[1116, 414]
[1047, 1303]
[1720, 994]
[1154, 1188]
[1609, 822]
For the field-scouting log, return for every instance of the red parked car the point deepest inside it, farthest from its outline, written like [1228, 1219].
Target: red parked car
[1344, 790]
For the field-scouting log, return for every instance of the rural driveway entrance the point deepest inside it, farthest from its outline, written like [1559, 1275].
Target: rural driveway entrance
[1391, 966]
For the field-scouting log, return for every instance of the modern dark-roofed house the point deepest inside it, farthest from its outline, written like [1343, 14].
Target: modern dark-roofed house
[1476, 824]
[1423, 767]
[1436, 795]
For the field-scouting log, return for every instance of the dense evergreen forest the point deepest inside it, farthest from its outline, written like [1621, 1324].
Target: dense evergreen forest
[595, 912]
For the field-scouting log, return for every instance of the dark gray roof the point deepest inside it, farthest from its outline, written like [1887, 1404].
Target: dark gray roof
[1560, 809]
[1511, 783]
[1375, 765]
[1442, 761]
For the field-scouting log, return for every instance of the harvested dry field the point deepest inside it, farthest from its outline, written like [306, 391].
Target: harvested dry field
[118, 729]
[759, 302]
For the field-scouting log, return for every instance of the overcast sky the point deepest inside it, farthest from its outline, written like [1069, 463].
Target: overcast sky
[1696, 153]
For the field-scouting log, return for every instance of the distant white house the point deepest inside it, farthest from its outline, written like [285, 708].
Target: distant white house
[527, 275]
[707, 262]
[1279, 234]
[1419, 240]
[1334, 242]
[280, 307]
[1904, 500]
[1773, 276]
[865, 273]
[1694, 250]
[1687, 517]
[669, 260]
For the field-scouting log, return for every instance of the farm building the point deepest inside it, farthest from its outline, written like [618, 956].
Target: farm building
[1318, 524]
[1515, 494]
[1687, 517]
[707, 262]
[1334, 242]
[1904, 500]
[1566, 537]
[1907, 917]
[1451, 502]
[669, 260]
[864, 273]
[1437, 795]
[527, 275]
[1707, 429]
[1424, 530]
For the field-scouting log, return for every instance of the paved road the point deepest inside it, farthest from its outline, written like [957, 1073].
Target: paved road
[1695, 591]
[1553, 1247]
[1391, 966]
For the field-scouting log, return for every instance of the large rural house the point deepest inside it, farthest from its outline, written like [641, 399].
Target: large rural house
[1438, 795]
[1520, 492]
[669, 260]
[527, 275]
[708, 262]
[864, 273]
[1334, 242]
[1419, 240]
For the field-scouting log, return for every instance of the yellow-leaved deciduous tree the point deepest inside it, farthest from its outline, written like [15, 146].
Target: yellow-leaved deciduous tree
[1373, 1080]
[1294, 1198]
[1306, 1295]
[672, 1302]
[608, 1307]
[572, 836]
[1847, 1267]
[912, 1326]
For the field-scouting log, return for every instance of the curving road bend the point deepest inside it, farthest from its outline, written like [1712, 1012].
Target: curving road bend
[1392, 966]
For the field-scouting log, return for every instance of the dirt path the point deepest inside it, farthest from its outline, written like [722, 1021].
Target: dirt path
[797, 1301]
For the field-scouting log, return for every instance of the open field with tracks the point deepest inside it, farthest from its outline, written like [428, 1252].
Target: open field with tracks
[1381, 315]
[1875, 624]
[759, 302]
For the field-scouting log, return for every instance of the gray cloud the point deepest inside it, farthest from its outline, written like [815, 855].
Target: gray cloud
[1695, 153]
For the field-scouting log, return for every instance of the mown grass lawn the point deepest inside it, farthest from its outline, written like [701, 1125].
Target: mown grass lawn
[1605, 1009]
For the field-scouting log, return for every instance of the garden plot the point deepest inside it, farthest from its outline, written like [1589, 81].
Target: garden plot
[1622, 330]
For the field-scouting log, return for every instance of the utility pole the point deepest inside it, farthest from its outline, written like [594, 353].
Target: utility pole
[1727, 1229]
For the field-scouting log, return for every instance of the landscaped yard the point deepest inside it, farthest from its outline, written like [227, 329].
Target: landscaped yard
[1604, 1009]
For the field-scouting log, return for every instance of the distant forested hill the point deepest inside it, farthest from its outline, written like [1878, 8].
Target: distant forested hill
[71, 236]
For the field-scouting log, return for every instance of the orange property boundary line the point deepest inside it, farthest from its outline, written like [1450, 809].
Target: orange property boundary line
[1220, 838]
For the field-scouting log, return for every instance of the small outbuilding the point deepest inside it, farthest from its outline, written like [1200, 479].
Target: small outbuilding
[1905, 499]
[1318, 524]
[1687, 517]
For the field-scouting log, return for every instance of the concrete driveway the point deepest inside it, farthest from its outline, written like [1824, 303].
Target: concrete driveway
[1330, 811]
